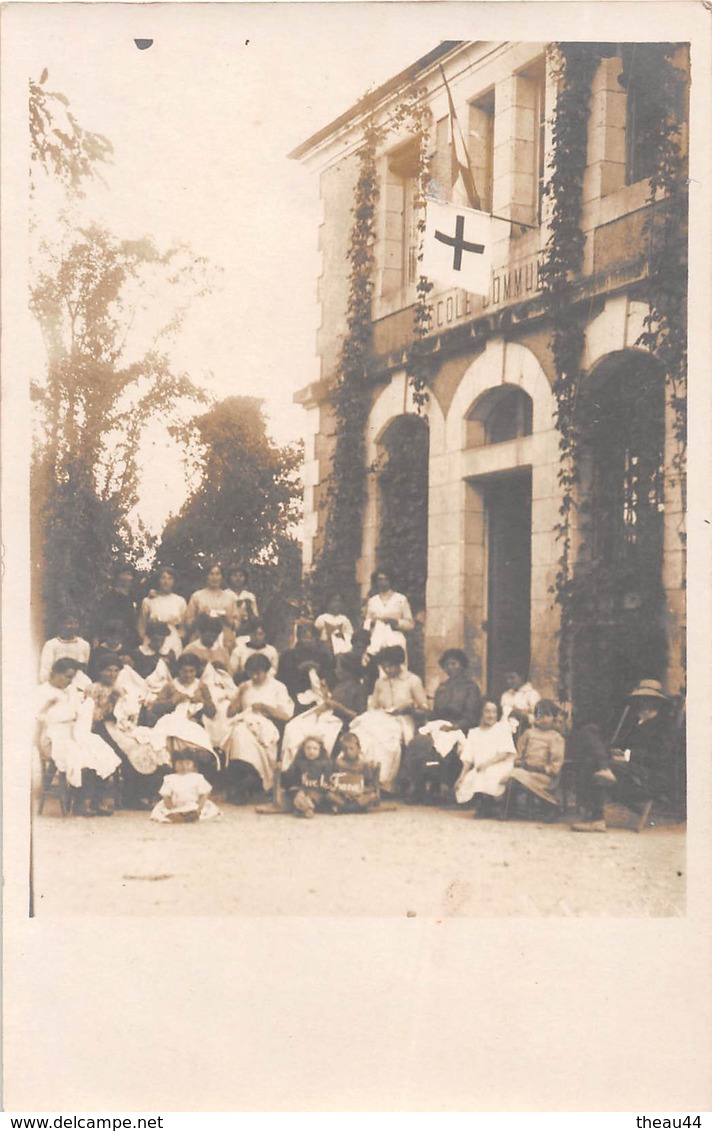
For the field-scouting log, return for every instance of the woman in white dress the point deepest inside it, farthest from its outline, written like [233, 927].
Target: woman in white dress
[487, 758]
[334, 627]
[388, 615]
[389, 723]
[252, 645]
[173, 708]
[319, 721]
[67, 643]
[168, 608]
[252, 741]
[186, 712]
[64, 736]
[215, 602]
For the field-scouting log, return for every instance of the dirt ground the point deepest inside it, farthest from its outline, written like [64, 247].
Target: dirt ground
[413, 861]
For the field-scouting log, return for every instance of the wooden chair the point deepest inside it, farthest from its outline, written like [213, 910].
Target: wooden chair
[53, 784]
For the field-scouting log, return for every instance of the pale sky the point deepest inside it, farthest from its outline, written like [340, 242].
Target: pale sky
[201, 125]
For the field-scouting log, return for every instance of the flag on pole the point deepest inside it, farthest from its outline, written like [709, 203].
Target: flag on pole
[460, 167]
[457, 246]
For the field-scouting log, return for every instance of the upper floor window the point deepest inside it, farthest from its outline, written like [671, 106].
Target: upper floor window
[530, 136]
[540, 138]
[402, 236]
[640, 114]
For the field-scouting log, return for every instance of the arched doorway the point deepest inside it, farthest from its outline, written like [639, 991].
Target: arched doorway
[402, 477]
[619, 600]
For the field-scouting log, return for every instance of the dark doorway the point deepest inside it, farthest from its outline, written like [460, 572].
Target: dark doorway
[509, 518]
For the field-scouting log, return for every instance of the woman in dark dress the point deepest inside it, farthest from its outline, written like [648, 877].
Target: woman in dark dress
[456, 709]
[296, 664]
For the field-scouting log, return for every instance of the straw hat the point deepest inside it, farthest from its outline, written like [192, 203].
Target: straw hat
[650, 689]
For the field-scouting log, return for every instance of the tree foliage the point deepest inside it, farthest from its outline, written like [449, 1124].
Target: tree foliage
[106, 308]
[244, 508]
[101, 390]
[59, 145]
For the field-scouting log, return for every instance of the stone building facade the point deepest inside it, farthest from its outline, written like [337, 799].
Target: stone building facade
[493, 448]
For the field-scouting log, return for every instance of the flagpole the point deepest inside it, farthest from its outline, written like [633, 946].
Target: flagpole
[494, 216]
[509, 220]
[472, 193]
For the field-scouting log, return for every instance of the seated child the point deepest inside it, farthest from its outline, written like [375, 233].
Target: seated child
[540, 755]
[354, 785]
[66, 644]
[308, 778]
[184, 795]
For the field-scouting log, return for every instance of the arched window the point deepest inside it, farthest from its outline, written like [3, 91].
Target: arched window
[502, 414]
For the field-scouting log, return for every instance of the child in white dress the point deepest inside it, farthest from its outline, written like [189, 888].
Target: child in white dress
[185, 795]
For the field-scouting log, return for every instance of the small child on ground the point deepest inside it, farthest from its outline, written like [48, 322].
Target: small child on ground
[354, 785]
[309, 777]
[185, 795]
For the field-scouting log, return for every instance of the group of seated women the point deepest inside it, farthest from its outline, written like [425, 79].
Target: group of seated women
[114, 715]
[165, 676]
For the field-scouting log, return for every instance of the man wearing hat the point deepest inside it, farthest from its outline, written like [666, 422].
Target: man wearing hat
[638, 769]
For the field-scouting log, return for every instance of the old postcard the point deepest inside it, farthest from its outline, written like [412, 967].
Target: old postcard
[356, 541]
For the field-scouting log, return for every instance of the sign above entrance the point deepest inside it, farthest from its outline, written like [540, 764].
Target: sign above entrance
[514, 282]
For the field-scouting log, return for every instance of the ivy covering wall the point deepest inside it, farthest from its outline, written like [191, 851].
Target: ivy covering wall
[600, 591]
[345, 495]
[346, 489]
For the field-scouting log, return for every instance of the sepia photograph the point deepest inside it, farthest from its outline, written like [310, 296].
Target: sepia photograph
[356, 563]
[438, 598]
